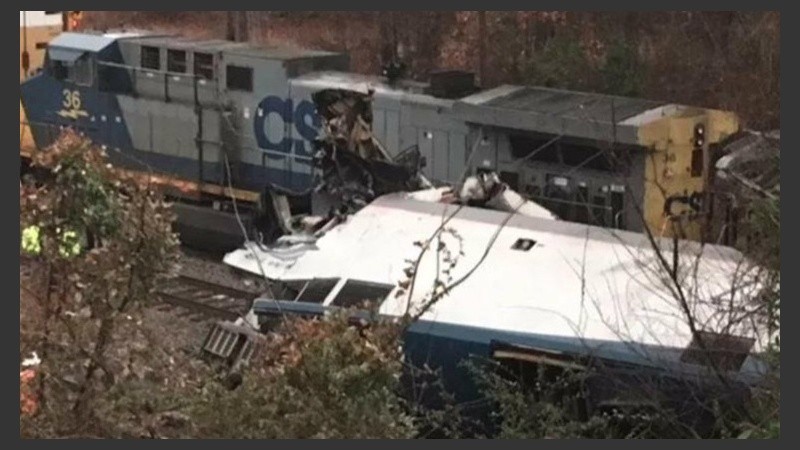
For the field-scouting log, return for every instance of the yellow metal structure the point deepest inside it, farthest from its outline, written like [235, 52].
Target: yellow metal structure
[36, 29]
[671, 182]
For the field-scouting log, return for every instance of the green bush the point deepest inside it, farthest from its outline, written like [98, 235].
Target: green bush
[622, 72]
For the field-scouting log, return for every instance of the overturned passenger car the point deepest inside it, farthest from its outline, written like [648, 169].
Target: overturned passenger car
[502, 285]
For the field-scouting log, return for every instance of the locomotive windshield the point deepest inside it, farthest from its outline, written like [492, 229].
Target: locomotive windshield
[71, 66]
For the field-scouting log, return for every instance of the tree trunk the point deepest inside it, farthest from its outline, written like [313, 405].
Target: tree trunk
[482, 48]
[243, 27]
[230, 29]
[101, 344]
[45, 340]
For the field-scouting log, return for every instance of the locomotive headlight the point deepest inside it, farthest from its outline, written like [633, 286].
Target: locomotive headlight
[699, 130]
[699, 135]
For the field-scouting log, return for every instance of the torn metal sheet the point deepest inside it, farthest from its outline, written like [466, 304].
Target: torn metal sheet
[353, 168]
[753, 160]
[354, 164]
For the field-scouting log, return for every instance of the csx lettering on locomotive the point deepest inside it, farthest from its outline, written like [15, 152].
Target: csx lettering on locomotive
[303, 117]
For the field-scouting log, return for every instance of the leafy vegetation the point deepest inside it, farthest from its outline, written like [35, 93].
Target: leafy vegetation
[316, 379]
[121, 244]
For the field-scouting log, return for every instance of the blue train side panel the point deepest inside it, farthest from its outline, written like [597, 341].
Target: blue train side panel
[51, 105]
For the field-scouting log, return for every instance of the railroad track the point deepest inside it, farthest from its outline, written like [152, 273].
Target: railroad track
[201, 300]
[192, 297]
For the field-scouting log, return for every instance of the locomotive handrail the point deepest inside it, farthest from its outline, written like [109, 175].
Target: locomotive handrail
[616, 218]
[197, 81]
[215, 80]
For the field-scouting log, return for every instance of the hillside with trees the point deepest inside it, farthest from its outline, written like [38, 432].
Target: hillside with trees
[727, 60]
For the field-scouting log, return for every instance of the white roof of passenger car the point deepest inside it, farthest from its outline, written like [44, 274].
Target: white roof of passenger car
[577, 281]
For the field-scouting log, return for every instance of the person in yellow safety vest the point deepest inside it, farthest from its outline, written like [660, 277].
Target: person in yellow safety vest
[70, 244]
[30, 240]
[69, 247]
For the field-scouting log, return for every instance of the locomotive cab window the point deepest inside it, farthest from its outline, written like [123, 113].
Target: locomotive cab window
[151, 58]
[58, 69]
[239, 78]
[71, 65]
[204, 65]
[82, 72]
[176, 61]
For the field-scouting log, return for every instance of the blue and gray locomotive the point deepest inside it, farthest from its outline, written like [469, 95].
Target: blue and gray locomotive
[218, 119]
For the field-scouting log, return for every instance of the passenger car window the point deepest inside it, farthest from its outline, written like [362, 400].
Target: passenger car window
[355, 292]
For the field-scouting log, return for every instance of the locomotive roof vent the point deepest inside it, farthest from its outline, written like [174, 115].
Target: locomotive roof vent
[452, 84]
